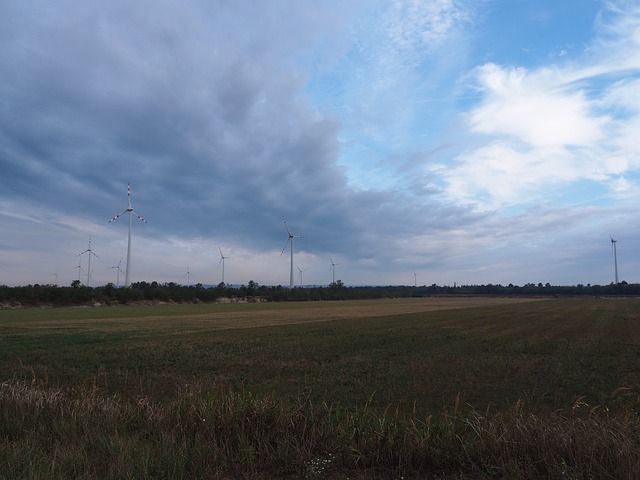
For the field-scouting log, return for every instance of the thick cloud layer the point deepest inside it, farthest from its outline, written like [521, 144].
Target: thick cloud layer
[352, 122]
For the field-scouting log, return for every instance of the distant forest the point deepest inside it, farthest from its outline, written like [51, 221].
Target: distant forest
[154, 292]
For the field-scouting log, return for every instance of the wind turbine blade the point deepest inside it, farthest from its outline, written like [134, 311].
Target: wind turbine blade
[285, 245]
[139, 217]
[287, 227]
[117, 216]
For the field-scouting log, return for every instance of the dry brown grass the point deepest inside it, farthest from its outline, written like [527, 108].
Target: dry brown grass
[195, 318]
[47, 432]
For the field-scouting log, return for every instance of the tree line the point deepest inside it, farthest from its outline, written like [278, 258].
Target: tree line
[155, 292]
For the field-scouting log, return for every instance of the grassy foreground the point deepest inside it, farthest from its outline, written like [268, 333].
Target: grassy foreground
[473, 389]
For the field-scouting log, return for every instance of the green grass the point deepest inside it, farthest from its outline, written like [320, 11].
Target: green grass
[548, 353]
[509, 390]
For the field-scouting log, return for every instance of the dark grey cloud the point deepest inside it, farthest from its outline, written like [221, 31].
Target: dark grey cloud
[201, 108]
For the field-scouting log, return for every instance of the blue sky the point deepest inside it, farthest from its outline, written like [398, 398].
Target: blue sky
[474, 142]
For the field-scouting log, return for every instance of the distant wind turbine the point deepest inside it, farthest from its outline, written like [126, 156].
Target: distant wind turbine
[56, 276]
[79, 267]
[333, 268]
[290, 239]
[301, 270]
[88, 250]
[129, 209]
[118, 271]
[615, 257]
[221, 262]
[188, 275]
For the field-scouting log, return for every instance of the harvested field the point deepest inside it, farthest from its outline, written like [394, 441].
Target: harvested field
[427, 351]
[241, 315]
[475, 387]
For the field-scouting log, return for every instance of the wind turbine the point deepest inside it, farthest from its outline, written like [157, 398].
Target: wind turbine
[221, 262]
[79, 267]
[615, 257]
[118, 272]
[188, 275]
[88, 250]
[129, 209]
[333, 268]
[301, 270]
[290, 239]
[56, 276]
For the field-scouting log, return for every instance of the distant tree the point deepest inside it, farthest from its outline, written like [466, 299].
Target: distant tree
[109, 289]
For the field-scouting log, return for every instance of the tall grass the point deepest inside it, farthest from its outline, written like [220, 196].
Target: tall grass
[49, 432]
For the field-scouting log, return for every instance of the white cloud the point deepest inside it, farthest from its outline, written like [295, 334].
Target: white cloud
[424, 26]
[624, 95]
[535, 108]
[538, 129]
[619, 40]
[497, 174]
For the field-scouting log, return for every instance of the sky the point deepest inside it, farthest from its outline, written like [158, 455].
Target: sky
[410, 142]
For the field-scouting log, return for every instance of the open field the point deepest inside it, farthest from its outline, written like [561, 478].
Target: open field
[559, 368]
[207, 317]
[491, 351]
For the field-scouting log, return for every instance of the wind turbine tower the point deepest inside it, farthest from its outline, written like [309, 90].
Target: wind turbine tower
[188, 275]
[88, 250]
[333, 268]
[129, 209]
[290, 240]
[118, 272]
[301, 270]
[79, 267]
[221, 262]
[615, 257]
